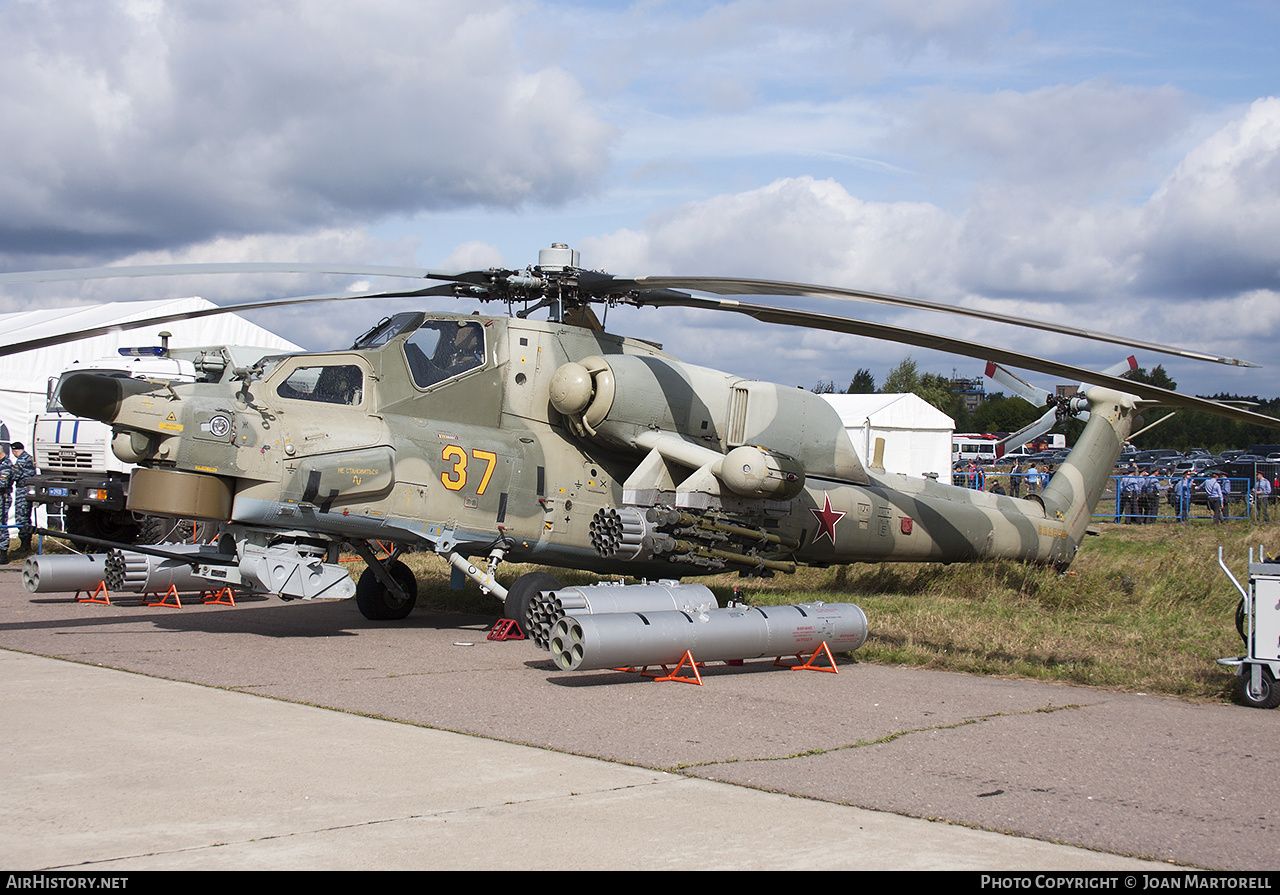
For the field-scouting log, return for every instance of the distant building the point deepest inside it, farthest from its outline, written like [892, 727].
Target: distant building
[972, 390]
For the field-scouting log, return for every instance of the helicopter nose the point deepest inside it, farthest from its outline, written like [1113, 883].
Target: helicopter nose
[98, 397]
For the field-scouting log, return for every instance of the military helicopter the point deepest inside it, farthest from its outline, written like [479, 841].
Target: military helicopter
[495, 438]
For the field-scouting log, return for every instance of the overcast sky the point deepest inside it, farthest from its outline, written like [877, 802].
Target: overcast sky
[1110, 165]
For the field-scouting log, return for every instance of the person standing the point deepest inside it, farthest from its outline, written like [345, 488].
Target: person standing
[1129, 487]
[1033, 479]
[24, 467]
[1015, 479]
[6, 486]
[1261, 498]
[1148, 501]
[1182, 494]
[1213, 491]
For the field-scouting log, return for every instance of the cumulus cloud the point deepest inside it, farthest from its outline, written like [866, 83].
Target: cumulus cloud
[795, 228]
[1204, 241]
[138, 125]
[1066, 140]
[1211, 227]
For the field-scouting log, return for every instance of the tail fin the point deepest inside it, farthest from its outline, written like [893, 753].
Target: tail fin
[1075, 489]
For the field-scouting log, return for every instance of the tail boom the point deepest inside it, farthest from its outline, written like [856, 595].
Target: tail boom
[1076, 487]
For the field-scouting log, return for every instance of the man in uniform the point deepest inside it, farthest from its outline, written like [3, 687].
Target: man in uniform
[24, 467]
[6, 486]
[1213, 491]
[1262, 497]
[1182, 495]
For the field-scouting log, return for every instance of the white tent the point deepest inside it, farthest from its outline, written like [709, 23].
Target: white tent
[24, 377]
[917, 435]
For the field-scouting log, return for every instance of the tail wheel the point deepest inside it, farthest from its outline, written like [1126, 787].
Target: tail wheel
[376, 601]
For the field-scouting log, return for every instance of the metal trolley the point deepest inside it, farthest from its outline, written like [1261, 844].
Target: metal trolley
[1258, 621]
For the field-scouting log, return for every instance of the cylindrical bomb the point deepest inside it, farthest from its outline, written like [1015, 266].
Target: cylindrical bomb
[145, 573]
[613, 640]
[548, 607]
[63, 572]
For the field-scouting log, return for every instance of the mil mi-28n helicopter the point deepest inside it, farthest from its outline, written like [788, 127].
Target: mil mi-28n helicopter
[500, 438]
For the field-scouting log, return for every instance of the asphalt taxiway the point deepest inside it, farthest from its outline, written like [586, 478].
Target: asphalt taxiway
[273, 735]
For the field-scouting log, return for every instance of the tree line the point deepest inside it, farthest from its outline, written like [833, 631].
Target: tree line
[999, 413]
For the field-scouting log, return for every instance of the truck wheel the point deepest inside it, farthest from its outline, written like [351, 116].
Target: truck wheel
[104, 526]
[155, 529]
[375, 600]
[1269, 698]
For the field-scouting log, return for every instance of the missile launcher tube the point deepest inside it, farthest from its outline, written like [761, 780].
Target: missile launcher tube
[63, 572]
[143, 573]
[123, 571]
[549, 607]
[581, 642]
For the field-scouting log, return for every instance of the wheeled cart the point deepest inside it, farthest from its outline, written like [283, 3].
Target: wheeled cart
[1258, 621]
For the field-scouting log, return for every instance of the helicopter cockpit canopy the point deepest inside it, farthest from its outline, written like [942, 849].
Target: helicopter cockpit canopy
[387, 329]
[440, 349]
[327, 384]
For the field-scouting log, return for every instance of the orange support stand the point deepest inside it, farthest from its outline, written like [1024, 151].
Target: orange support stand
[164, 601]
[222, 597]
[506, 629]
[809, 665]
[643, 670]
[676, 676]
[100, 595]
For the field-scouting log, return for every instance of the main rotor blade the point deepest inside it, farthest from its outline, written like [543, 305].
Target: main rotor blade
[173, 270]
[1033, 395]
[1031, 431]
[735, 286]
[121, 326]
[812, 320]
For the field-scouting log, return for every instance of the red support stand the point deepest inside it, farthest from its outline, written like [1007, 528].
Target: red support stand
[100, 595]
[676, 676]
[164, 601]
[506, 629]
[222, 597]
[808, 665]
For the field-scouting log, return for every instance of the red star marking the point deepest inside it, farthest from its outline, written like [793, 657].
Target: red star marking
[827, 518]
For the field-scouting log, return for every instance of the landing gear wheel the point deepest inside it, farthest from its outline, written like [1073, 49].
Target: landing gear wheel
[521, 594]
[377, 603]
[1268, 698]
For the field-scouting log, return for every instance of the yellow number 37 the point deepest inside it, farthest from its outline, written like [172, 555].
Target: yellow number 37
[455, 478]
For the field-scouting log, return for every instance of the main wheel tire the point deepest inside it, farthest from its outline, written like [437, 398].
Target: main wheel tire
[521, 593]
[1269, 698]
[377, 603]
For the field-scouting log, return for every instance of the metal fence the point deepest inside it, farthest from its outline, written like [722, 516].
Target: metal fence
[1167, 506]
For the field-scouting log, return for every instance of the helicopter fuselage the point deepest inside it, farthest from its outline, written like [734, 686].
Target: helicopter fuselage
[472, 433]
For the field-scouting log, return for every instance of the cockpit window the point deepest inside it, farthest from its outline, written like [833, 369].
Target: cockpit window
[388, 329]
[338, 384]
[444, 348]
